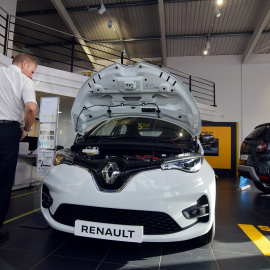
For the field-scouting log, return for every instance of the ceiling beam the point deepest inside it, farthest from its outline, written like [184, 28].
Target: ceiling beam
[261, 24]
[70, 24]
[95, 7]
[227, 34]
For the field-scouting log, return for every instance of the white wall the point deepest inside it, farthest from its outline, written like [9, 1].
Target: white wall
[256, 92]
[59, 82]
[225, 71]
[242, 91]
[9, 6]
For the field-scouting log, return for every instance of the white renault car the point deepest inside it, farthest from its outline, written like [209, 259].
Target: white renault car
[136, 170]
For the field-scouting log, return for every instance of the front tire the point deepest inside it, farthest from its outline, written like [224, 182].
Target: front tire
[208, 237]
[262, 187]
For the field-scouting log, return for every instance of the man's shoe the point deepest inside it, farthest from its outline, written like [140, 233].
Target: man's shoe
[3, 235]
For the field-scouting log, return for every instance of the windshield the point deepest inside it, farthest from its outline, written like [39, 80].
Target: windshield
[139, 127]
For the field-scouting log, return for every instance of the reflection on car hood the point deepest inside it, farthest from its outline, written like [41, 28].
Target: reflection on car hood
[143, 90]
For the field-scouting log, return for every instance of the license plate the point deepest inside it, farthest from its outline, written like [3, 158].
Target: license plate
[243, 157]
[107, 231]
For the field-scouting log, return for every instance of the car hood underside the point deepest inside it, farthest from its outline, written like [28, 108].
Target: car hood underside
[142, 90]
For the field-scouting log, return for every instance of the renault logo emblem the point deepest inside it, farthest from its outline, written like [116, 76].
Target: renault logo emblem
[110, 172]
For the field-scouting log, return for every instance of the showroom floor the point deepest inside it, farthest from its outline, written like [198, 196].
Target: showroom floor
[46, 248]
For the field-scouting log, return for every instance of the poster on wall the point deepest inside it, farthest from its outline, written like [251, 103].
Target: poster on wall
[211, 149]
[225, 159]
[44, 161]
[218, 153]
[47, 132]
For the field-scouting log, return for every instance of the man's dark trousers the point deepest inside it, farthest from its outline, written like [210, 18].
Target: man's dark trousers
[10, 134]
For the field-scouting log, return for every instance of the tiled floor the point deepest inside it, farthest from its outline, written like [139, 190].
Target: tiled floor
[30, 248]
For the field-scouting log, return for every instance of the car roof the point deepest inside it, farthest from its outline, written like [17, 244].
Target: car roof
[262, 125]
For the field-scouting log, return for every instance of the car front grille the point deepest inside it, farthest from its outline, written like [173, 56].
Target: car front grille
[154, 223]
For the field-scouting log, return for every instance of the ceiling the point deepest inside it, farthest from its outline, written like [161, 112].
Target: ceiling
[153, 29]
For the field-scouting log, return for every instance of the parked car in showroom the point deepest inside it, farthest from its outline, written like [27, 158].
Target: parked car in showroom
[254, 160]
[136, 171]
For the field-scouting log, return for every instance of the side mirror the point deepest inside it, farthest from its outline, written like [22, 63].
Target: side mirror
[59, 147]
[206, 138]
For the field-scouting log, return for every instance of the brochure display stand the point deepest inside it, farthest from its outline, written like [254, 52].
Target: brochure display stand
[48, 119]
[48, 122]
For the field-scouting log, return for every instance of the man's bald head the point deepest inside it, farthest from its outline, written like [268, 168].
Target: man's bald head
[26, 64]
[20, 58]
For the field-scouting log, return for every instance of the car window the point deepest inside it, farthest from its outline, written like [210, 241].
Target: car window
[140, 127]
[106, 129]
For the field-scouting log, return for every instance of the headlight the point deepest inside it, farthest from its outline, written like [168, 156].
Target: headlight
[63, 156]
[186, 163]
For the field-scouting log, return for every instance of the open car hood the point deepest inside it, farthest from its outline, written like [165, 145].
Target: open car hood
[142, 90]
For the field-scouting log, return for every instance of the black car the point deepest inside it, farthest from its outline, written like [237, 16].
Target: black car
[254, 160]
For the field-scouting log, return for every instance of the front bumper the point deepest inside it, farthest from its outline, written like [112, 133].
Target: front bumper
[167, 192]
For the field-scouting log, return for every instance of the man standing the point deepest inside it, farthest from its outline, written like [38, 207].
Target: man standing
[18, 108]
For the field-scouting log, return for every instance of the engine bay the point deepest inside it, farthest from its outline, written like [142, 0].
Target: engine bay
[131, 151]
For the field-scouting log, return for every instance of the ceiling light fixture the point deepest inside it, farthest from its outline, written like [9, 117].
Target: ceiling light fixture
[207, 45]
[217, 12]
[109, 23]
[102, 9]
[219, 2]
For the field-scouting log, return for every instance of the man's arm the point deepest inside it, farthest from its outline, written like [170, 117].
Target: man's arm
[29, 117]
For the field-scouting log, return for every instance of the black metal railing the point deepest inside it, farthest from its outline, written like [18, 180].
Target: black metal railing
[60, 48]
[4, 23]
[202, 90]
